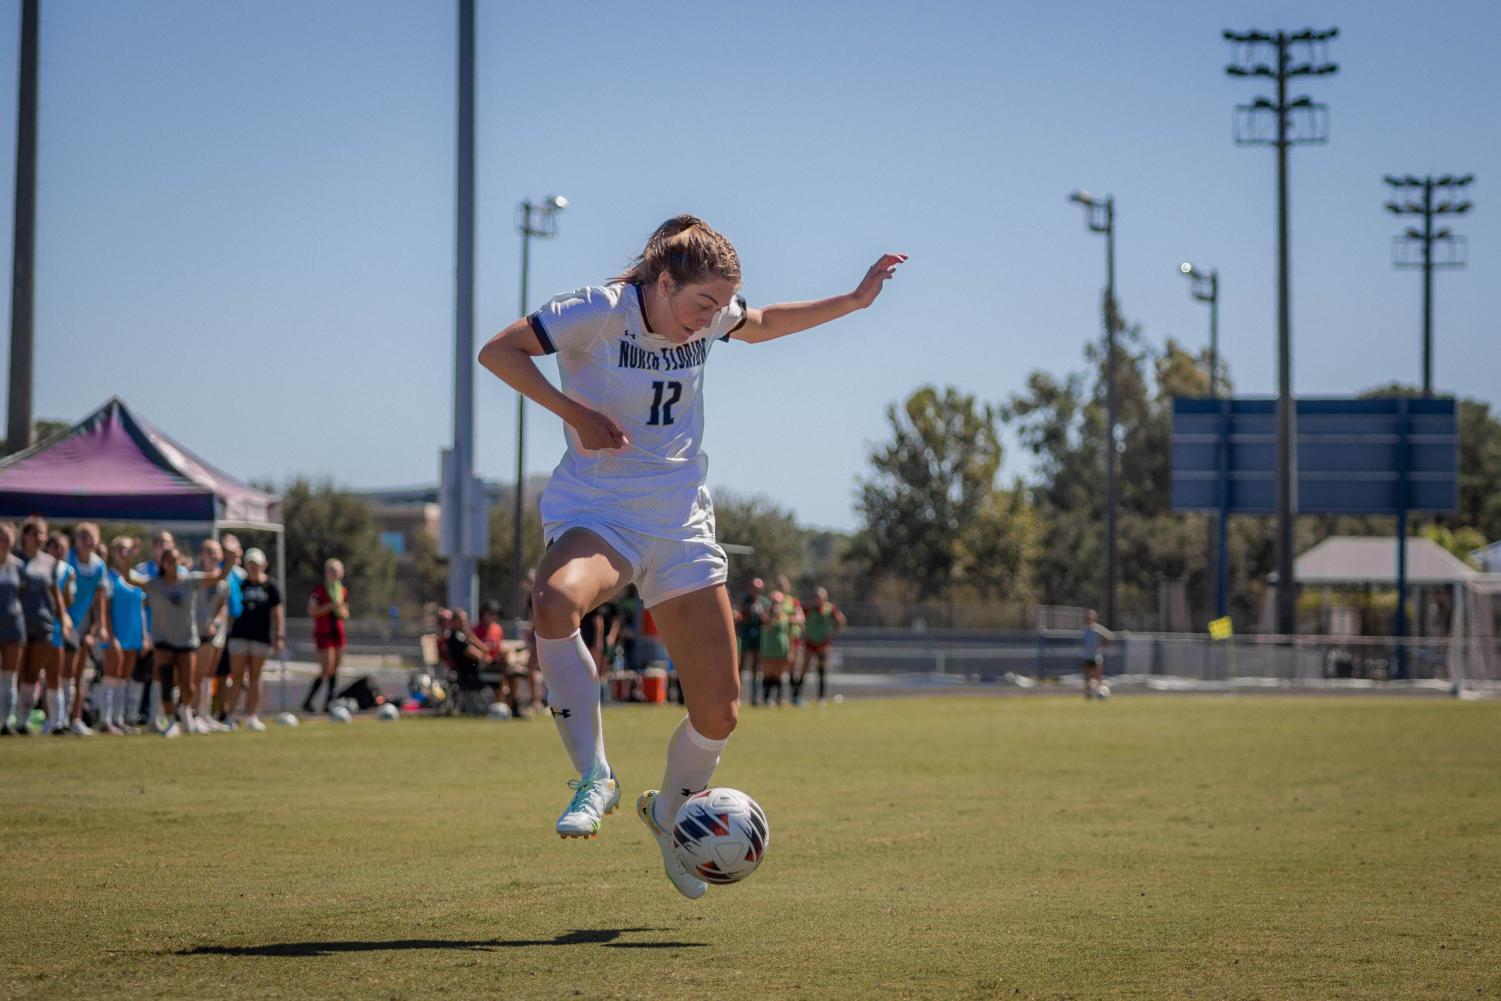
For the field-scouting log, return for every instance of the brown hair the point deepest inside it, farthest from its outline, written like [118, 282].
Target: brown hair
[688, 249]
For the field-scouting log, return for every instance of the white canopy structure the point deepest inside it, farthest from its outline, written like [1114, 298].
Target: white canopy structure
[1352, 561]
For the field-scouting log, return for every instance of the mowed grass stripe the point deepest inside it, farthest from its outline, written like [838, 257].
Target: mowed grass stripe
[1256, 847]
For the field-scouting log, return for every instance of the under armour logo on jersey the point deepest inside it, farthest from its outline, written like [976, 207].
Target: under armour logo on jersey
[565, 713]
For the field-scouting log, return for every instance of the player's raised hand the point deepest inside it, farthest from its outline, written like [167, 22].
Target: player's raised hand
[597, 431]
[876, 277]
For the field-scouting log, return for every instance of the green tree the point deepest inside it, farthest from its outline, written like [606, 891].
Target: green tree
[1062, 422]
[495, 569]
[324, 522]
[770, 530]
[929, 506]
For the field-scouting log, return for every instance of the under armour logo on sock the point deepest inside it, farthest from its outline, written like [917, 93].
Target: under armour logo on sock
[565, 713]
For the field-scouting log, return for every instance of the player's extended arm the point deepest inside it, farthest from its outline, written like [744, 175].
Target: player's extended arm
[783, 318]
[509, 357]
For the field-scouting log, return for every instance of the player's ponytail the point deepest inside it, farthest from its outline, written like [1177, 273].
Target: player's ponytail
[688, 249]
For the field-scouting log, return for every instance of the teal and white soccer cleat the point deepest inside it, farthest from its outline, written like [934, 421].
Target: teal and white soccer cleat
[593, 800]
[688, 885]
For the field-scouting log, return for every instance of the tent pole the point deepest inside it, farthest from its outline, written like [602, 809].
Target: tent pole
[281, 582]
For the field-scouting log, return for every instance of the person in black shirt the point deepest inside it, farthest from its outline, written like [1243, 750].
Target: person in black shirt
[466, 654]
[259, 630]
[600, 629]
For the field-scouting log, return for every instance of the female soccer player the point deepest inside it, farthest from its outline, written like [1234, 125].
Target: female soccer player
[127, 620]
[89, 611]
[824, 622]
[628, 501]
[213, 633]
[173, 595]
[65, 637]
[43, 611]
[258, 631]
[328, 607]
[12, 623]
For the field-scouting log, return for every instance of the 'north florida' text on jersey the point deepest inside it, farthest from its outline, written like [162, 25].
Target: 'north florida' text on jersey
[610, 360]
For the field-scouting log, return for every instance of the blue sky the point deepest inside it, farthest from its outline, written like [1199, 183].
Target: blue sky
[245, 217]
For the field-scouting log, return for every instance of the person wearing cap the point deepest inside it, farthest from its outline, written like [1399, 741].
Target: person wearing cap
[258, 631]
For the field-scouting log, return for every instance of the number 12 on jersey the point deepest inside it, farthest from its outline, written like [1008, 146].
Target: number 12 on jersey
[661, 410]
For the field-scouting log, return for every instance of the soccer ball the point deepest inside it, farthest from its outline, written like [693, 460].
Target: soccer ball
[287, 719]
[339, 714]
[1103, 691]
[721, 835]
[388, 712]
[499, 710]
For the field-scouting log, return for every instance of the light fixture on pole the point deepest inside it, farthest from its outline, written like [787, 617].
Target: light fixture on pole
[541, 220]
[1206, 288]
[1415, 248]
[1099, 216]
[1282, 123]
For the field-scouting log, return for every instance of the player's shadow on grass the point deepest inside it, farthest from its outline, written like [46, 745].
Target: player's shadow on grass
[589, 936]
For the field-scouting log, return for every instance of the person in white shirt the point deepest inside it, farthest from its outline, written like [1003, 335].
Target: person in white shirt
[628, 502]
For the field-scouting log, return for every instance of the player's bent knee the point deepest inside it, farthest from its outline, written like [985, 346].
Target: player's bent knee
[717, 722]
[554, 612]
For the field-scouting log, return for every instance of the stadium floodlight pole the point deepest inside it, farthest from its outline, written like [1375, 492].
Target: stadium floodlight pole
[1100, 218]
[531, 220]
[1206, 288]
[1298, 121]
[23, 272]
[462, 565]
[1450, 190]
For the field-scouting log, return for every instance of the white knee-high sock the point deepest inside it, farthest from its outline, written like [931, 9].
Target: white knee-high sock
[59, 707]
[691, 760]
[106, 703]
[573, 696]
[7, 694]
[25, 699]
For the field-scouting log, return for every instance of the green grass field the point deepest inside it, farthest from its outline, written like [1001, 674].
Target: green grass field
[1155, 847]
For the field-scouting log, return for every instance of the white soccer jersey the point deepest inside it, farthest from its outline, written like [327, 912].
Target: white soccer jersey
[611, 361]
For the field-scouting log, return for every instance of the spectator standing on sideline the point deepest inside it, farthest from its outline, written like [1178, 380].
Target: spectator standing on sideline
[89, 610]
[173, 595]
[12, 623]
[1095, 638]
[258, 631]
[64, 637]
[824, 620]
[234, 606]
[213, 631]
[751, 618]
[126, 656]
[776, 648]
[794, 609]
[328, 607]
[160, 542]
[43, 608]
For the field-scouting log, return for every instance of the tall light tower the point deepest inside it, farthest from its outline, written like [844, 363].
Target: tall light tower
[1415, 247]
[1099, 216]
[23, 273]
[1281, 57]
[1206, 288]
[539, 220]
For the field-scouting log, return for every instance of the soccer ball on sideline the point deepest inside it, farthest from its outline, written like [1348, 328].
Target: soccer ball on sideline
[721, 835]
